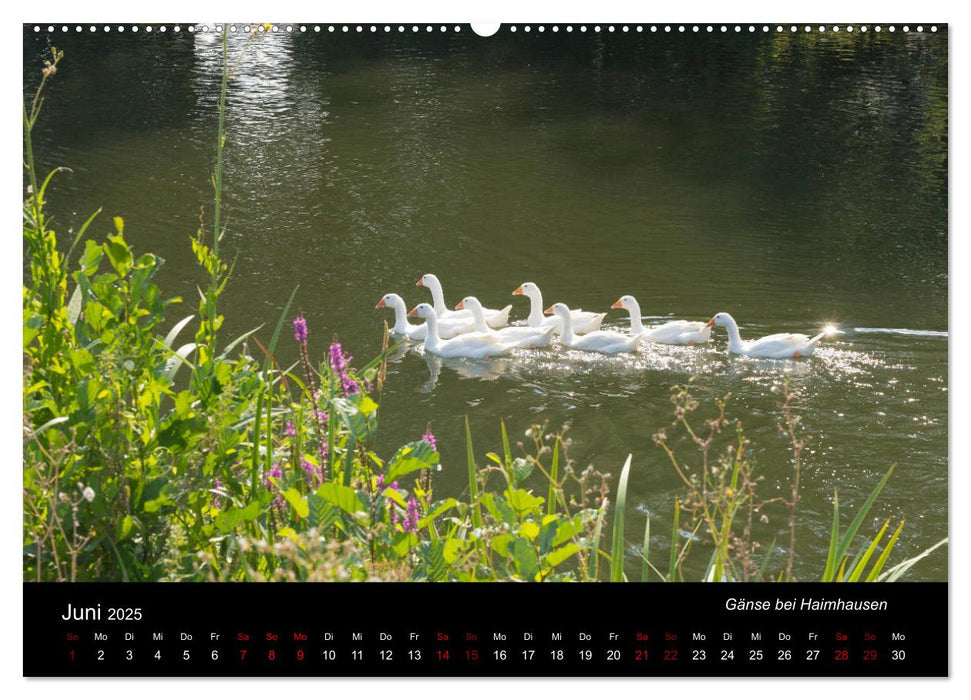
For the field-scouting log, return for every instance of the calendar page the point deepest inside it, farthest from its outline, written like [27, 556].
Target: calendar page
[612, 349]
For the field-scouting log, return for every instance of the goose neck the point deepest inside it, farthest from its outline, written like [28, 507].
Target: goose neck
[566, 335]
[535, 309]
[438, 297]
[636, 324]
[734, 337]
[479, 317]
[400, 317]
[432, 339]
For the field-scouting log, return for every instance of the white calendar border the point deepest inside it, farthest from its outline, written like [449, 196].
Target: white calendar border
[520, 11]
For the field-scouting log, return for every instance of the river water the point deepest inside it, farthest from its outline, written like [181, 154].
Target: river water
[791, 180]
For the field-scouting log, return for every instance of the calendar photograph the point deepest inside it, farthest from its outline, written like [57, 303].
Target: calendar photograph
[594, 303]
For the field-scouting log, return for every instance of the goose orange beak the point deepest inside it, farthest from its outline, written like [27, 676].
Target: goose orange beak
[419, 283]
[380, 304]
[549, 310]
[518, 290]
[617, 305]
[711, 322]
[413, 312]
[459, 306]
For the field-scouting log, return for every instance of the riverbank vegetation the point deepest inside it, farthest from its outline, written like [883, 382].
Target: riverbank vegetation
[155, 449]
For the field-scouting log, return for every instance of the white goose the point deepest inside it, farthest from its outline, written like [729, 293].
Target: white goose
[607, 342]
[469, 345]
[496, 318]
[670, 333]
[446, 329]
[517, 336]
[583, 321]
[777, 346]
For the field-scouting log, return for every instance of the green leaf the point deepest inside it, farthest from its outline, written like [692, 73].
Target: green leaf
[322, 514]
[50, 424]
[558, 556]
[554, 478]
[454, 548]
[344, 497]
[119, 254]
[170, 338]
[834, 534]
[525, 557]
[74, 306]
[411, 457]
[436, 510]
[297, 502]
[402, 542]
[645, 550]
[523, 501]
[229, 518]
[520, 469]
[178, 359]
[473, 485]
[276, 330]
[617, 541]
[861, 514]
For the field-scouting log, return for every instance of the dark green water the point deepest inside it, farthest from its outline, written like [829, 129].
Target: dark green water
[790, 180]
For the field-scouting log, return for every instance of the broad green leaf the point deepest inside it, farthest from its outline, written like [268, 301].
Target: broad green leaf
[229, 518]
[558, 556]
[297, 502]
[411, 457]
[523, 501]
[344, 497]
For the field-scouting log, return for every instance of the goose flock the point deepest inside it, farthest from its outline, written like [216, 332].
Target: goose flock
[473, 331]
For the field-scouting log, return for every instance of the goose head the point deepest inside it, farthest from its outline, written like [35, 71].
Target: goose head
[389, 300]
[422, 311]
[527, 288]
[470, 303]
[559, 309]
[721, 319]
[428, 280]
[625, 302]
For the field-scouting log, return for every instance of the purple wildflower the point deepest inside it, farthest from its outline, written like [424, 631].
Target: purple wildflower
[429, 438]
[411, 515]
[300, 329]
[379, 483]
[394, 515]
[290, 430]
[217, 502]
[312, 471]
[274, 472]
[340, 363]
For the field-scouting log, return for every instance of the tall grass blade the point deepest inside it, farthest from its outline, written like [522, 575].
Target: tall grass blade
[349, 460]
[554, 478]
[674, 540]
[506, 452]
[834, 534]
[229, 348]
[903, 567]
[473, 484]
[170, 338]
[861, 514]
[882, 559]
[271, 348]
[859, 566]
[617, 541]
[645, 550]
[594, 570]
[765, 560]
